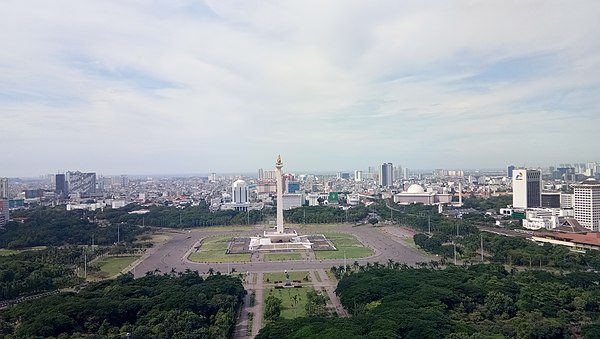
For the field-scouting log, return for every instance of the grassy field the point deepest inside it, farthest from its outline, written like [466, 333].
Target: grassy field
[111, 266]
[282, 256]
[344, 243]
[223, 228]
[317, 225]
[280, 276]
[5, 252]
[213, 250]
[292, 308]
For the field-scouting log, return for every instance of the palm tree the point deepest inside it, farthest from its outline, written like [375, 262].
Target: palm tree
[390, 263]
[355, 265]
[211, 271]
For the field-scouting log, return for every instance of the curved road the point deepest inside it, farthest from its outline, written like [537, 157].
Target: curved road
[172, 255]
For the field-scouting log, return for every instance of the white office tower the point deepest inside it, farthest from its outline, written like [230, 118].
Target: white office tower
[527, 188]
[386, 175]
[239, 192]
[587, 204]
[4, 188]
[358, 175]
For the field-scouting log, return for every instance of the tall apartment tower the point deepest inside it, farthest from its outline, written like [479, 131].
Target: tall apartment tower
[386, 175]
[4, 188]
[527, 188]
[358, 174]
[4, 216]
[61, 185]
[261, 174]
[587, 204]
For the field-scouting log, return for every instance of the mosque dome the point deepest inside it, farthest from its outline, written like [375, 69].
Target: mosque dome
[415, 189]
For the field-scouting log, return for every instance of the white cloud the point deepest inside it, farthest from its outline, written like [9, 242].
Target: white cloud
[225, 85]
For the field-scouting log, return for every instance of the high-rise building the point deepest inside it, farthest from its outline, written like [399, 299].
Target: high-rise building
[293, 186]
[83, 183]
[261, 174]
[4, 188]
[358, 175]
[587, 204]
[4, 216]
[509, 171]
[124, 181]
[398, 172]
[239, 192]
[386, 175]
[61, 185]
[405, 170]
[527, 188]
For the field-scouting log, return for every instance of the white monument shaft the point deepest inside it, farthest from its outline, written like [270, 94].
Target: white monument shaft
[279, 176]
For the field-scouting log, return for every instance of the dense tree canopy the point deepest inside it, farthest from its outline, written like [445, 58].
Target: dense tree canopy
[38, 271]
[325, 214]
[186, 216]
[55, 226]
[482, 301]
[155, 306]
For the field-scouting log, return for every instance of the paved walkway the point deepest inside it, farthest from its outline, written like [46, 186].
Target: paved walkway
[330, 287]
[258, 307]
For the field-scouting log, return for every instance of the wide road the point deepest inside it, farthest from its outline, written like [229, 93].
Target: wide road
[172, 255]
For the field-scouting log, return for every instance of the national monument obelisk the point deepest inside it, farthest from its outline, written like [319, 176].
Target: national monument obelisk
[279, 177]
[280, 239]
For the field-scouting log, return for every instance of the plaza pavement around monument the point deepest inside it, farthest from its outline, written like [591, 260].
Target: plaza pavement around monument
[388, 242]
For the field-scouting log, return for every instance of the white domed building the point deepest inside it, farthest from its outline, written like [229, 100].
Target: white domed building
[239, 199]
[240, 192]
[415, 194]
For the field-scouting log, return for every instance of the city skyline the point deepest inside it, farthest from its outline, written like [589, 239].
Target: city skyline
[192, 87]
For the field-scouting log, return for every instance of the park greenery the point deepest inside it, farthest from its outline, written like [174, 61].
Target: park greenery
[182, 305]
[201, 216]
[55, 226]
[479, 301]
[347, 247]
[179, 217]
[42, 270]
[325, 214]
[439, 234]
[214, 249]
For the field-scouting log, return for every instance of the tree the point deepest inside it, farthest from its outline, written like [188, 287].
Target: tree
[315, 304]
[272, 308]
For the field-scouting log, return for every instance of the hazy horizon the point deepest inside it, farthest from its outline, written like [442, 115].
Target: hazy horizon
[225, 86]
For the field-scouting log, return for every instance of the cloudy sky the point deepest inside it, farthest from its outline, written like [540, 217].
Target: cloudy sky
[194, 87]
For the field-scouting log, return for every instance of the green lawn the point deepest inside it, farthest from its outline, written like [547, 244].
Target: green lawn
[113, 265]
[317, 225]
[213, 250]
[291, 308]
[280, 276]
[6, 252]
[344, 243]
[223, 228]
[282, 256]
